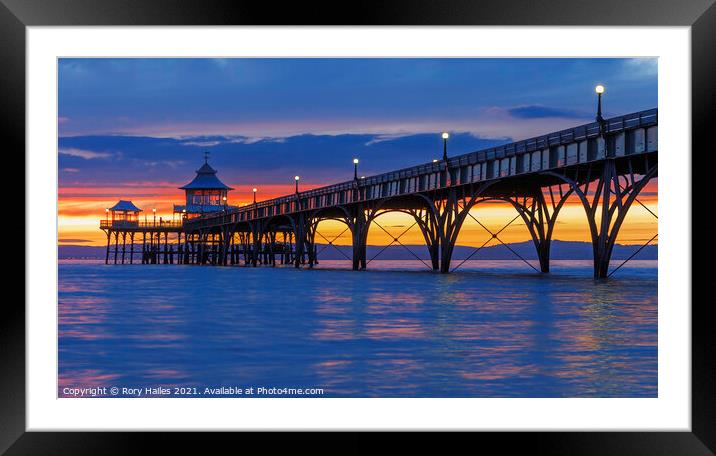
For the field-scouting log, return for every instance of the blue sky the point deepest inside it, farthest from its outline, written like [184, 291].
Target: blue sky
[123, 121]
[282, 97]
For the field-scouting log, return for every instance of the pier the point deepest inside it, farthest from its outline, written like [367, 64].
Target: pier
[604, 164]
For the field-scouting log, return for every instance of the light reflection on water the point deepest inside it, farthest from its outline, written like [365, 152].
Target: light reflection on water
[494, 330]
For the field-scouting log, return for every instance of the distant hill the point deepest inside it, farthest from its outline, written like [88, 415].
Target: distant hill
[561, 250]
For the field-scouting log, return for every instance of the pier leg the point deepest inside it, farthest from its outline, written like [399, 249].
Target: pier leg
[450, 214]
[150, 252]
[131, 247]
[116, 246]
[200, 259]
[231, 248]
[451, 222]
[272, 246]
[188, 248]
[428, 224]
[291, 248]
[109, 237]
[612, 200]
[192, 252]
[124, 244]
[300, 232]
[179, 248]
[220, 249]
[286, 249]
[539, 220]
[359, 233]
[310, 238]
[152, 249]
[256, 247]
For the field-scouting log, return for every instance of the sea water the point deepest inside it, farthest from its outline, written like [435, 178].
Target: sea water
[492, 329]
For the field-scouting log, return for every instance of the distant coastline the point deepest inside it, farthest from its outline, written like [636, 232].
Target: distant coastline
[560, 250]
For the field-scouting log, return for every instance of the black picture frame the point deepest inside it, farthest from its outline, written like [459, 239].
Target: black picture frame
[700, 15]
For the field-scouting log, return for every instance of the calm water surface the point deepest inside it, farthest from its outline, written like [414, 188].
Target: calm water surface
[496, 329]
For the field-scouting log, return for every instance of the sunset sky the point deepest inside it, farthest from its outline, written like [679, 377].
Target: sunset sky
[138, 128]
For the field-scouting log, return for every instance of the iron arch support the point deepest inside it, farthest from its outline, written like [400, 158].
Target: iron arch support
[538, 219]
[452, 215]
[613, 203]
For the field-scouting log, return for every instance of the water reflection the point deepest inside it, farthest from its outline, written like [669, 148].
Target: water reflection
[498, 331]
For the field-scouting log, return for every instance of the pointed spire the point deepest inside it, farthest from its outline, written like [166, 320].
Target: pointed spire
[206, 178]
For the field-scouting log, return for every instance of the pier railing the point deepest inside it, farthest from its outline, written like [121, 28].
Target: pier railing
[579, 144]
[144, 225]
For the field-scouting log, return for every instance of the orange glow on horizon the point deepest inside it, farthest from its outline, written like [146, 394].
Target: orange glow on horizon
[81, 208]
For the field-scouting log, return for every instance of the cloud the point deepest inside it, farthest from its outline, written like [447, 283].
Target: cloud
[169, 163]
[268, 161]
[381, 138]
[213, 141]
[202, 143]
[63, 120]
[86, 154]
[637, 68]
[77, 241]
[245, 139]
[70, 170]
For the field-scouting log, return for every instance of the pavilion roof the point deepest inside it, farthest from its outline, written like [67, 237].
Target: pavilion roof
[206, 180]
[125, 205]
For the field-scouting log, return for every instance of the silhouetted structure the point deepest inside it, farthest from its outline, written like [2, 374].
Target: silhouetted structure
[205, 194]
[605, 164]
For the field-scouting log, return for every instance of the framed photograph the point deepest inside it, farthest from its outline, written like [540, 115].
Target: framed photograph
[421, 217]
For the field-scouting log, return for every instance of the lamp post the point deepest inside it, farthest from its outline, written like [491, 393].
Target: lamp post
[224, 199]
[600, 90]
[297, 178]
[154, 212]
[255, 190]
[106, 214]
[355, 169]
[445, 136]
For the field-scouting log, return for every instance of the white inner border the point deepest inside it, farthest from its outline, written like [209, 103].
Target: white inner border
[670, 411]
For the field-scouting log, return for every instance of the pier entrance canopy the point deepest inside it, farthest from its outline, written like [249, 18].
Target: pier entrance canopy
[205, 194]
